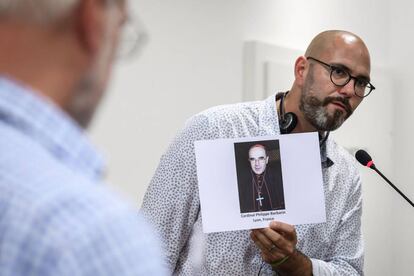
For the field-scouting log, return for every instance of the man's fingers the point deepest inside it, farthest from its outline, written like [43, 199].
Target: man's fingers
[284, 245]
[284, 229]
[272, 242]
[260, 240]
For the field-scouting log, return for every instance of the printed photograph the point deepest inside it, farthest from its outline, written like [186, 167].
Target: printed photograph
[259, 176]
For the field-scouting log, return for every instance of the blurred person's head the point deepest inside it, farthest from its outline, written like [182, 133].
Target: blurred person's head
[63, 49]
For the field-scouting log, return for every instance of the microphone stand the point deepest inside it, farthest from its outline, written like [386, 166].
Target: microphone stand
[392, 185]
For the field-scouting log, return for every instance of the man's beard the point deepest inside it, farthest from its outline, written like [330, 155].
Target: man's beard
[84, 100]
[90, 88]
[315, 110]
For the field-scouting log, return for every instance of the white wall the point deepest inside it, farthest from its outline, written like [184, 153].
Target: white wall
[402, 60]
[194, 61]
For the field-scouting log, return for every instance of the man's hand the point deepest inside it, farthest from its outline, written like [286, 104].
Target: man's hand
[278, 248]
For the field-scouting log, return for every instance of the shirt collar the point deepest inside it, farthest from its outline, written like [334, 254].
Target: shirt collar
[37, 117]
[326, 159]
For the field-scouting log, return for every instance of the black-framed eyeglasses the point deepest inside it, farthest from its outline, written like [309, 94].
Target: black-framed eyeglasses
[341, 77]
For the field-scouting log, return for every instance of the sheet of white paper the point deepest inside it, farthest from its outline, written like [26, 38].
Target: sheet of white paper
[220, 167]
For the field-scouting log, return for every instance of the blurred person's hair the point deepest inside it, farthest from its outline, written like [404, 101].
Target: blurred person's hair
[38, 11]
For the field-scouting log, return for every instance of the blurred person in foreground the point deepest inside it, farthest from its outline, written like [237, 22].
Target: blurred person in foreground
[56, 218]
[331, 80]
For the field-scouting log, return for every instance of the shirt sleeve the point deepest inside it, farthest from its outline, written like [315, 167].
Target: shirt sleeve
[171, 202]
[346, 253]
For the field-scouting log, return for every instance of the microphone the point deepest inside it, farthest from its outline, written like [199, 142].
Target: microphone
[365, 159]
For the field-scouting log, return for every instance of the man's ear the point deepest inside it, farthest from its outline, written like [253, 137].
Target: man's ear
[300, 69]
[91, 25]
[267, 159]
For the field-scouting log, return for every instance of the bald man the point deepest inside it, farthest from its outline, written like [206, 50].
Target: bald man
[331, 80]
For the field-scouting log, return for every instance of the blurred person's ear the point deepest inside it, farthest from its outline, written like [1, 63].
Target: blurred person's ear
[91, 25]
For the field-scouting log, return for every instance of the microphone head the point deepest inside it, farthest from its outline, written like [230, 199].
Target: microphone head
[364, 158]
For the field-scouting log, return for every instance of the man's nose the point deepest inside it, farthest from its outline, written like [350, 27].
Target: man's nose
[348, 89]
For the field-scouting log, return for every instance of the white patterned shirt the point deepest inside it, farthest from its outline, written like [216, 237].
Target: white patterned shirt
[55, 216]
[172, 203]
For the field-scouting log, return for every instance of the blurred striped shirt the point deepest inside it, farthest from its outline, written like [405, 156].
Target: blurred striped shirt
[55, 216]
